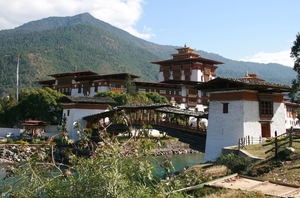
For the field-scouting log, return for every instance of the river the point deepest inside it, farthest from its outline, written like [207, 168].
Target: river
[178, 161]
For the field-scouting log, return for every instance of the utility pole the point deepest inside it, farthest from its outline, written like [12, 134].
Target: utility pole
[18, 78]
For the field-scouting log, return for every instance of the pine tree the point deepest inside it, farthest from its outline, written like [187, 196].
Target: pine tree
[295, 53]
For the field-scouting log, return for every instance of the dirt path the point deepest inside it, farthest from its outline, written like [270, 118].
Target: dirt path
[240, 182]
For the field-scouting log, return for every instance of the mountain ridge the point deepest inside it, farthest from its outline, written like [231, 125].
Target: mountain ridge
[59, 44]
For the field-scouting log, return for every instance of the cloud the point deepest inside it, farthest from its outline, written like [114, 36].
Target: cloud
[282, 57]
[123, 14]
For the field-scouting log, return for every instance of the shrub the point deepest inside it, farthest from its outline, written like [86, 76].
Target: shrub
[10, 141]
[21, 142]
[113, 170]
[237, 164]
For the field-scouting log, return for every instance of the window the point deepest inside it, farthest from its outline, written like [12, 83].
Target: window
[68, 113]
[193, 91]
[79, 88]
[225, 107]
[162, 91]
[96, 88]
[266, 108]
[177, 73]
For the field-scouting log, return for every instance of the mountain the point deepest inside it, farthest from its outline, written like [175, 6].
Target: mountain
[61, 44]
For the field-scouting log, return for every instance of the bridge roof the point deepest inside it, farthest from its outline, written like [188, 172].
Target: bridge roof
[166, 108]
[197, 114]
[143, 106]
[86, 99]
[128, 106]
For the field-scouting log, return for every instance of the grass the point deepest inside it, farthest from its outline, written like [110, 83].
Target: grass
[259, 150]
[285, 169]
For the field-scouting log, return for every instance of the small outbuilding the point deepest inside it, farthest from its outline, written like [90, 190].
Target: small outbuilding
[35, 127]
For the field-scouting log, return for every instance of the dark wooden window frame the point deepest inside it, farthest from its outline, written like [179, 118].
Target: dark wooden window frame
[225, 107]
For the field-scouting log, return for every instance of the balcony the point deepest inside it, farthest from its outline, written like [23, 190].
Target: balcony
[115, 89]
[192, 104]
[192, 95]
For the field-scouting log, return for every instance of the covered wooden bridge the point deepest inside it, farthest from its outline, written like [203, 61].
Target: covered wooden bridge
[162, 117]
[153, 114]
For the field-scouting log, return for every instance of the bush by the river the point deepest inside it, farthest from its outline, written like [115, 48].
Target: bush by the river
[113, 170]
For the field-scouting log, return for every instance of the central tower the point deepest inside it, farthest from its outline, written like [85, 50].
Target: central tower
[187, 69]
[187, 65]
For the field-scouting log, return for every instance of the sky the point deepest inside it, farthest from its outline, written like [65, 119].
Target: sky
[260, 31]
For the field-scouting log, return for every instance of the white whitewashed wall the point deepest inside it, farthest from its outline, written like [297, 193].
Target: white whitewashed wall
[278, 119]
[224, 129]
[77, 114]
[242, 119]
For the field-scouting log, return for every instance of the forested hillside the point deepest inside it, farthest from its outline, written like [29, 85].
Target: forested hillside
[61, 44]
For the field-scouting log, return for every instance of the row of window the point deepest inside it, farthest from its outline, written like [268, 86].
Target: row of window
[65, 90]
[161, 91]
[265, 108]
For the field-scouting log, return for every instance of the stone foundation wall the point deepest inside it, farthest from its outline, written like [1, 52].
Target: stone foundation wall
[10, 153]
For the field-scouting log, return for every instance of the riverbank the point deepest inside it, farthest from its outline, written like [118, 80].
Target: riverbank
[178, 151]
[172, 148]
[11, 153]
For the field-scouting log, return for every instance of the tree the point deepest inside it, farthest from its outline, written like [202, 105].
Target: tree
[139, 98]
[295, 53]
[130, 86]
[38, 104]
[8, 110]
[156, 97]
[7, 102]
[120, 98]
[41, 104]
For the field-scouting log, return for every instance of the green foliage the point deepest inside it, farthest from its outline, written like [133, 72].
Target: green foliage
[114, 170]
[295, 53]
[10, 141]
[192, 178]
[23, 142]
[150, 98]
[38, 104]
[156, 97]
[120, 98]
[237, 164]
[130, 86]
[139, 98]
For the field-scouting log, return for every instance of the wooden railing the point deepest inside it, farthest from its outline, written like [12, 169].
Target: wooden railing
[173, 125]
[115, 89]
[248, 140]
[279, 141]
